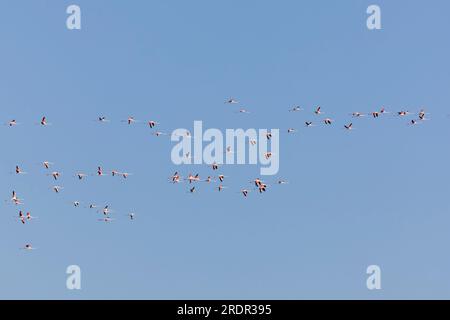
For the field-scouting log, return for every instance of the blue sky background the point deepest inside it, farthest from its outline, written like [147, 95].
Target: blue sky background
[376, 195]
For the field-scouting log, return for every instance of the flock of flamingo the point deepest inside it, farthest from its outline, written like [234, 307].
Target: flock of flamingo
[259, 185]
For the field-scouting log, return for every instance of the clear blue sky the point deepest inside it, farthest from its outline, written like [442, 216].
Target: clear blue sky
[376, 195]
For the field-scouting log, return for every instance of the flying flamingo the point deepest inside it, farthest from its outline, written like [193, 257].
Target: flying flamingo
[318, 111]
[130, 120]
[231, 101]
[21, 217]
[106, 210]
[30, 217]
[422, 115]
[19, 170]
[46, 164]
[295, 109]
[349, 126]
[192, 178]
[102, 119]
[257, 182]
[12, 123]
[100, 172]
[208, 180]
[125, 174]
[175, 177]
[28, 247]
[114, 173]
[159, 133]
[15, 199]
[80, 175]
[215, 166]
[57, 189]
[403, 113]
[262, 187]
[55, 175]
[152, 124]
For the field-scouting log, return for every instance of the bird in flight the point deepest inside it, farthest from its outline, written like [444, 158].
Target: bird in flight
[403, 113]
[28, 247]
[21, 217]
[422, 115]
[125, 174]
[215, 166]
[176, 178]
[102, 119]
[130, 120]
[159, 133]
[268, 155]
[244, 192]
[152, 124]
[328, 121]
[231, 101]
[295, 109]
[15, 199]
[262, 187]
[349, 126]
[55, 175]
[318, 111]
[44, 122]
[57, 189]
[19, 170]
[192, 178]
[46, 164]
[257, 182]
[12, 123]
[80, 175]
[100, 172]
[106, 210]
